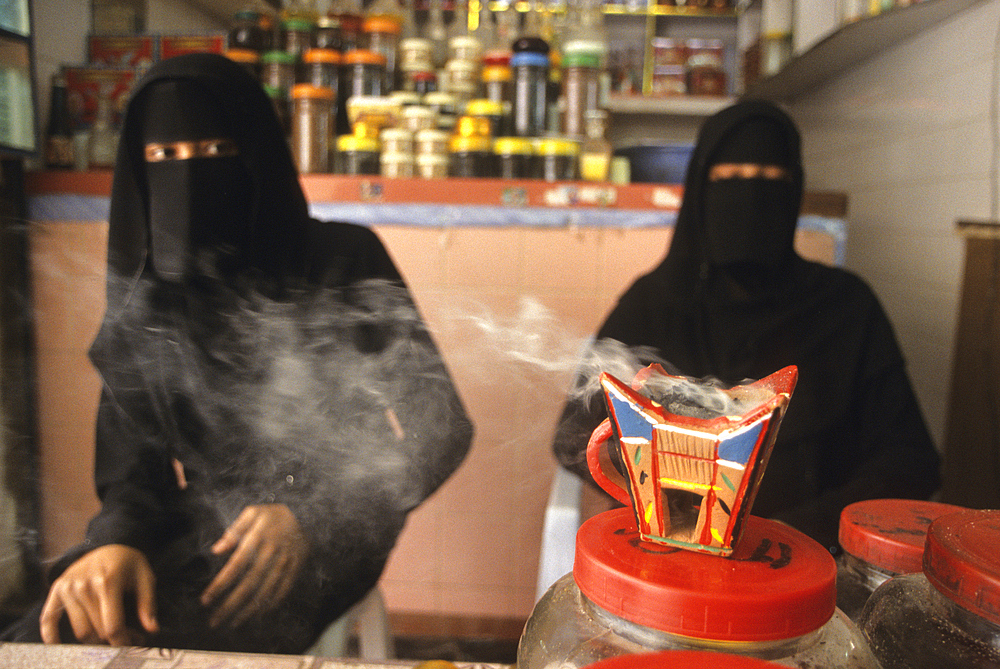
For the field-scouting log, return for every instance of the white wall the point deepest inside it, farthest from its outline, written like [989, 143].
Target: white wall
[909, 135]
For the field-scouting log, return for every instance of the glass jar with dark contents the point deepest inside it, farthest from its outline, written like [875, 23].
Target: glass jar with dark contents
[312, 127]
[471, 156]
[515, 157]
[558, 159]
[530, 70]
[358, 155]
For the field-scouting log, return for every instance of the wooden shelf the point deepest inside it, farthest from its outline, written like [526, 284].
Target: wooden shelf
[678, 105]
[853, 44]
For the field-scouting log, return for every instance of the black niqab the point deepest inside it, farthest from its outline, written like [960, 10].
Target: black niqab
[853, 429]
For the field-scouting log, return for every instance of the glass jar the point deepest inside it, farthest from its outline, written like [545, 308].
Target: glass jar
[382, 35]
[558, 159]
[705, 72]
[297, 33]
[278, 71]
[395, 165]
[881, 538]
[948, 615]
[327, 34]
[246, 32]
[418, 117]
[397, 140]
[463, 78]
[415, 54]
[321, 67]
[364, 73]
[490, 110]
[312, 127]
[470, 156]
[529, 103]
[773, 599]
[433, 141]
[515, 157]
[432, 165]
[465, 47]
[581, 89]
[357, 155]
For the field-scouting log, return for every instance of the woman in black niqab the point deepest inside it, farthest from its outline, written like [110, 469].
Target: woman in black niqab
[273, 405]
[733, 301]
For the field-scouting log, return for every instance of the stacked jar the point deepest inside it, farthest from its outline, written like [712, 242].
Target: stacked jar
[948, 615]
[583, 70]
[881, 538]
[462, 69]
[397, 158]
[774, 598]
[415, 62]
[432, 158]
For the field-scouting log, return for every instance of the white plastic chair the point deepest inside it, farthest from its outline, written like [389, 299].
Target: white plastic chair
[370, 620]
[562, 520]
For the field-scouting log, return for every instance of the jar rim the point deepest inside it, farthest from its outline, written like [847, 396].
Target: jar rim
[889, 533]
[961, 560]
[778, 584]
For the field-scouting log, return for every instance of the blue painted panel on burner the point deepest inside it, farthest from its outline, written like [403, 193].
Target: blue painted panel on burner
[739, 447]
[631, 422]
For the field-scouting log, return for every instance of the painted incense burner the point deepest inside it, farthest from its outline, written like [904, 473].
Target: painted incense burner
[691, 457]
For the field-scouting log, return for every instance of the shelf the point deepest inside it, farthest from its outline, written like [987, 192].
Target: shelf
[679, 105]
[853, 44]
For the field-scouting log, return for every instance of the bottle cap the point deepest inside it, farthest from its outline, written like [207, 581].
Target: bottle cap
[470, 144]
[363, 57]
[529, 58]
[278, 57]
[581, 59]
[483, 107]
[530, 45]
[558, 146]
[492, 73]
[889, 533]
[519, 146]
[962, 562]
[357, 143]
[778, 583]
[327, 56]
[381, 24]
[297, 24]
[300, 91]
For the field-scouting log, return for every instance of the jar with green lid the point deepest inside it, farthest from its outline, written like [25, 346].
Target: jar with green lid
[558, 159]
[470, 156]
[581, 89]
[357, 155]
[515, 157]
[278, 71]
[312, 127]
[297, 35]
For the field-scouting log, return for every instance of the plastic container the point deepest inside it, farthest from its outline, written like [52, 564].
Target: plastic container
[581, 85]
[881, 538]
[357, 155]
[397, 140]
[321, 67]
[773, 599]
[312, 127]
[530, 72]
[490, 110]
[948, 615]
[364, 73]
[382, 35]
[471, 156]
[515, 157]
[297, 35]
[418, 117]
[278, 71]
[558, 159]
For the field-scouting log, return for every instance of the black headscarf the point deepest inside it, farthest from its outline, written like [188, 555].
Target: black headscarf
[226, 96]
[853, 429]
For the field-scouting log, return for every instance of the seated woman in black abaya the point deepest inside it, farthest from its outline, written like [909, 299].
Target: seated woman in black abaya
[273, 406]
[733, 301]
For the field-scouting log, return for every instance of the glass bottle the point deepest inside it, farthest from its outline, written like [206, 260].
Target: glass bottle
[59, 148]
[595, 150]
[102, 144]
[529, 66]
[349, 14]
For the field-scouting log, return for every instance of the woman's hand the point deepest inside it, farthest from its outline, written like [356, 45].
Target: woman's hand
[92, 591]
[268, 551]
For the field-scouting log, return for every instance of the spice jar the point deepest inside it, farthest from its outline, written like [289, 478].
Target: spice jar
[395, 165]
[431, 142]
[772, 599]
[420, 82]
[948, 615]
[490, 110]
[297, 34]
[397, 140]
[432, 165]
[357, 155]
[278, 71]
[581, 87]
[471, 156]
[881, 538]
[418, 117]
[321, 67]
[463, 78]
[246, 32]
[415, 53]
[382, 34]
[515, 157]
[530, 73]
[327, 34]
[465, 47]
[312, 127]
[557, 159]
[364, 73]
[445, 106]
[705, 74]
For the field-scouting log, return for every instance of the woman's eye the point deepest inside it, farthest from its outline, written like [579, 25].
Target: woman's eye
[218, 147]
[160, 152]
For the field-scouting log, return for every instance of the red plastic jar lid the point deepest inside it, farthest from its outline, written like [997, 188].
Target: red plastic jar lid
[682, 659]
[778, 584]
[962, 560]
[890, 533]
